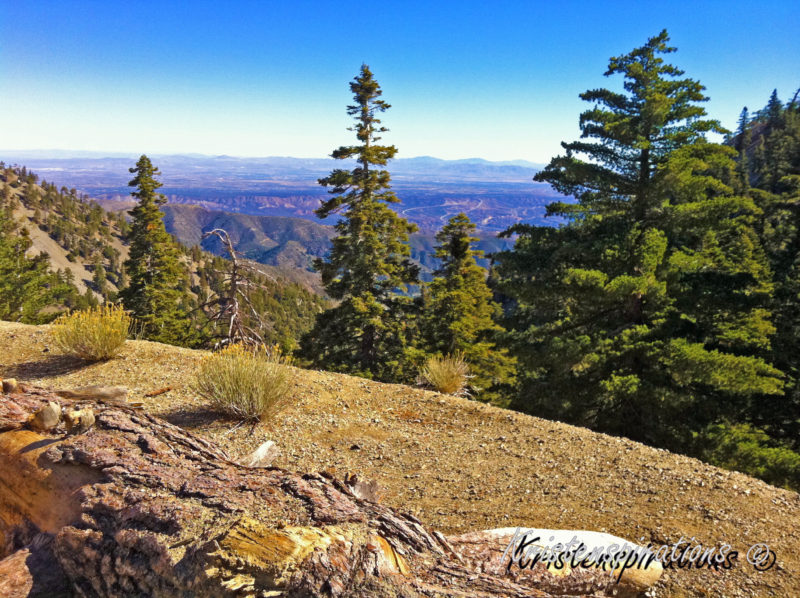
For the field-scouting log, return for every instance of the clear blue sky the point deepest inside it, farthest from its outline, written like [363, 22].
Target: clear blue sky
[497, 80]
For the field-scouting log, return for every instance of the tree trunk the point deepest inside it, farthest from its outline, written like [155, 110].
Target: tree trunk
[138, 507]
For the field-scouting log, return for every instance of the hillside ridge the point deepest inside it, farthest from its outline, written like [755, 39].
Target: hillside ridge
[460, 465]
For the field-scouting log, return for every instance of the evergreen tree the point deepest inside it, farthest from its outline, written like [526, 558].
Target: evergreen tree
[644, 314]
[775, 169]
[459, 313]
[99, 277]
[744, 138]
[27, 285]
[773, 111]
[155, 277]
[366, 333]
[122, 281]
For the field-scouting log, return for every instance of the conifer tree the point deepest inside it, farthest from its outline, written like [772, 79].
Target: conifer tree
[459, 313]
[27, 285]
[775, 170]
[366, 333]
[99, 278]
[744, 138]
[154, 293]
[773, 111]
[644, 314]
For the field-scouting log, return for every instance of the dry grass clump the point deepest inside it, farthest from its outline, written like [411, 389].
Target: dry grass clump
[95, 334]
[251, 383]
[448, 374]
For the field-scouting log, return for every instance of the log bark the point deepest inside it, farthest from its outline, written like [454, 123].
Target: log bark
[138, 507]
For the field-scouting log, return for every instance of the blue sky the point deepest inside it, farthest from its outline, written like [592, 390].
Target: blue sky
[496, 80]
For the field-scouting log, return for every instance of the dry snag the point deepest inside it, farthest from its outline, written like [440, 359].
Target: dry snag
[228, 312]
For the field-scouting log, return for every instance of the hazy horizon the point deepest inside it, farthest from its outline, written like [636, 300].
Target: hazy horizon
[499, 82]
[65, 153]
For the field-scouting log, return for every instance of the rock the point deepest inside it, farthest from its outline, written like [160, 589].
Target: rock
[263, 456]
[78, 421]
[47, 418]
[10, 385]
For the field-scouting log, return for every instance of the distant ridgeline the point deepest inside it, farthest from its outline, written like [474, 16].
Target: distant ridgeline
[69, 253]
[292, 243]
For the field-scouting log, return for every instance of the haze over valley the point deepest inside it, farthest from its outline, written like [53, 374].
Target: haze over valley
[495, 195]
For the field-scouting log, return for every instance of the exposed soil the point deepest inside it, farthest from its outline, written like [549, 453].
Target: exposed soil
[460, 465]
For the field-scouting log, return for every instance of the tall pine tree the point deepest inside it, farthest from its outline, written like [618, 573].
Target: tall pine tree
[366, 333]
[744, 138]
[643, 314]
[459, 313]
[155, 293]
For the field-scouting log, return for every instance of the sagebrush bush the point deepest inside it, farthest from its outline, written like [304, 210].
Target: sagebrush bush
[448, 374]
[245, 382]
[94, 334]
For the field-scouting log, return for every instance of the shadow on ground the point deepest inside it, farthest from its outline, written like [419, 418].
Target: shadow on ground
[206, 418]
[194, 417]
[47, 367]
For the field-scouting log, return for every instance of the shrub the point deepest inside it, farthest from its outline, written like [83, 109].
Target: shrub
[245, 382]
[94, 334]
[448, 374]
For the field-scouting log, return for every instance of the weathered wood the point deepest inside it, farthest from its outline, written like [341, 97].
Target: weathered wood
[109, 394]
[33, 572]
[139, 507]
[485, 550]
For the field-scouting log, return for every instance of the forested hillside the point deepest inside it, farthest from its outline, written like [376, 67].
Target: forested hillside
[74, 254]
[292, 243]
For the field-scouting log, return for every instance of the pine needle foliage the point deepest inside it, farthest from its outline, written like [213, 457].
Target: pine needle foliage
[157, 287]
[369, 264]
[459, 314]
[646, 313]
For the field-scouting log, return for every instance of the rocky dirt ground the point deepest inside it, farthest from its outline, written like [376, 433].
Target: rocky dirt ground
[460, 465]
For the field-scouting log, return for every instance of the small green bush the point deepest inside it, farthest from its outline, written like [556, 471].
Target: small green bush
[94, 334]
[245, 382]
[448, 374]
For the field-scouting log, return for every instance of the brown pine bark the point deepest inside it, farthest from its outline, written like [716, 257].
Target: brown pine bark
[138, 507]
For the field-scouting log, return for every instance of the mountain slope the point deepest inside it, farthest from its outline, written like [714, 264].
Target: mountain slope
[79, 236]
[272, 240]
[76, 233]
[288, 243]
[460, 465]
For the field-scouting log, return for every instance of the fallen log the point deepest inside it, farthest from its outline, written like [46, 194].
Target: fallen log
[138, 507]
[33, 572]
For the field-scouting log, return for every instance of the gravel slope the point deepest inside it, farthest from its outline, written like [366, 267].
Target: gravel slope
[461, 465]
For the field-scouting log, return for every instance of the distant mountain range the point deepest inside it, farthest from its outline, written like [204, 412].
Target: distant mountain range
[494, 194]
